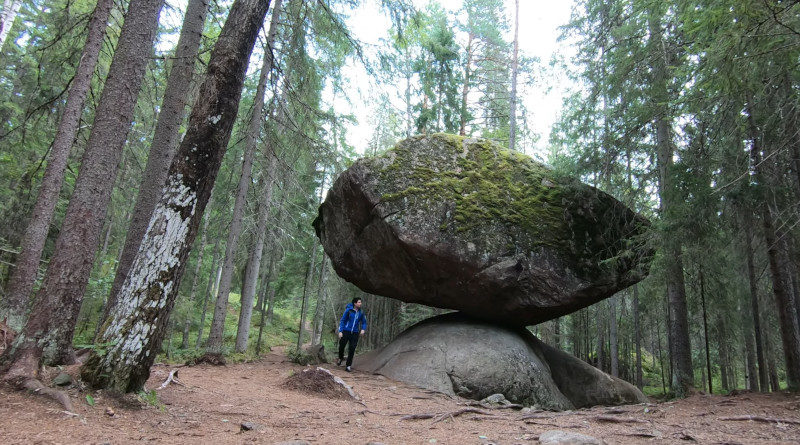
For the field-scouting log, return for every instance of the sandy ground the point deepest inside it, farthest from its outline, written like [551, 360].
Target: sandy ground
[212, 402]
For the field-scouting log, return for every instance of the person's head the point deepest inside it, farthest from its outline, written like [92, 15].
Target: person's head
[357, 303]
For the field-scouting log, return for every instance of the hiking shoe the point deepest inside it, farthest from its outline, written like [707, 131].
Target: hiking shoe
[348, 369]
[339, 362]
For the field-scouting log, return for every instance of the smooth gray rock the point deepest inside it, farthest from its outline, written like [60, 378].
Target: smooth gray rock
[558, 437]
[584, 385]
[465, 224]
[62, 379]
[457, 355]
[468, 358]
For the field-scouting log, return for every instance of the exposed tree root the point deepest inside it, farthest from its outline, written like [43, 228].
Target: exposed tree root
[615, 419]
[438, 417]
[35, 386]
[762, 419]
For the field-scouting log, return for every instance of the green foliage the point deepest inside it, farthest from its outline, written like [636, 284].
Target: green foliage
[151, 398]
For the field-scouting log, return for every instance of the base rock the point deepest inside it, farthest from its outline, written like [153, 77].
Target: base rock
[460, 356]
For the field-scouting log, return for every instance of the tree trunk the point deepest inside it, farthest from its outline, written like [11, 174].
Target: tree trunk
[306, 287]
[20, 285]
[512, 114]
[637, 336]
[165, 141]
[136, 328]
[319, 313]
[722, 350]
[614, 350]
[187, 323]
[211, 289]
[751, 275]
[705, 328]
[778, 263]
[254, 263]
[47, 335]
[465, 86]
[10, 10]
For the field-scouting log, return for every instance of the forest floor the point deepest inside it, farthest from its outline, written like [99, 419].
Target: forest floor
[211, 403]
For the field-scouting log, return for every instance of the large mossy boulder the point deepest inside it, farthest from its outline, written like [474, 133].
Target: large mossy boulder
[465, 224]
[457, 355]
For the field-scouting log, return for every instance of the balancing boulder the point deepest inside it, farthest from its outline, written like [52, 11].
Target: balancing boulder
[465, 224]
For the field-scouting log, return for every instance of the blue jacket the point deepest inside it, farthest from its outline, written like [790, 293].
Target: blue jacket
[351, 319]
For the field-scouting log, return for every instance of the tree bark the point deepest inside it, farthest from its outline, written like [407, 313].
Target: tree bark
[47, 335]
[20, 285]
[165, 141]
[136, 328]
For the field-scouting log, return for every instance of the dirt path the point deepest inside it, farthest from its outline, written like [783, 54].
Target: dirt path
[215, 401]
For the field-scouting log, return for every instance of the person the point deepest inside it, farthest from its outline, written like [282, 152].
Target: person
[352, 325]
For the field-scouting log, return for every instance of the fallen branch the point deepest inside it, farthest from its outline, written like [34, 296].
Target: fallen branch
[172, 378]
[761, 419]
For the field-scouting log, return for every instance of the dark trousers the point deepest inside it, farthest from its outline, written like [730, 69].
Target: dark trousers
[352, 339]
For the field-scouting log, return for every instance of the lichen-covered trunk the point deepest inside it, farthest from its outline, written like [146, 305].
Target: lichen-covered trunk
[637, 334]
[56, 306]
[20, 285]
[165, 140]
[135, 329]
[10, 10]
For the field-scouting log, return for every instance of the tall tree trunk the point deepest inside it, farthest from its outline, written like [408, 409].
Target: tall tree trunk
[211, 289]
[47, 335]
[751, 275]
[512, 114]
[20, 285]
[637, 337]
[614, 349]
[705, 327]
[165, 141]
[136, 328]
[254, 128]
[10, 10]
[319, 313]
[462, 129]
[722, 351]
[187, 323]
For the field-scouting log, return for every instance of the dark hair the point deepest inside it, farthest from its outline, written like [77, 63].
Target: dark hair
[356, 299]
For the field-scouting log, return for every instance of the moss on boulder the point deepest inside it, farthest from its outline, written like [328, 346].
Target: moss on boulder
[465, 224]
